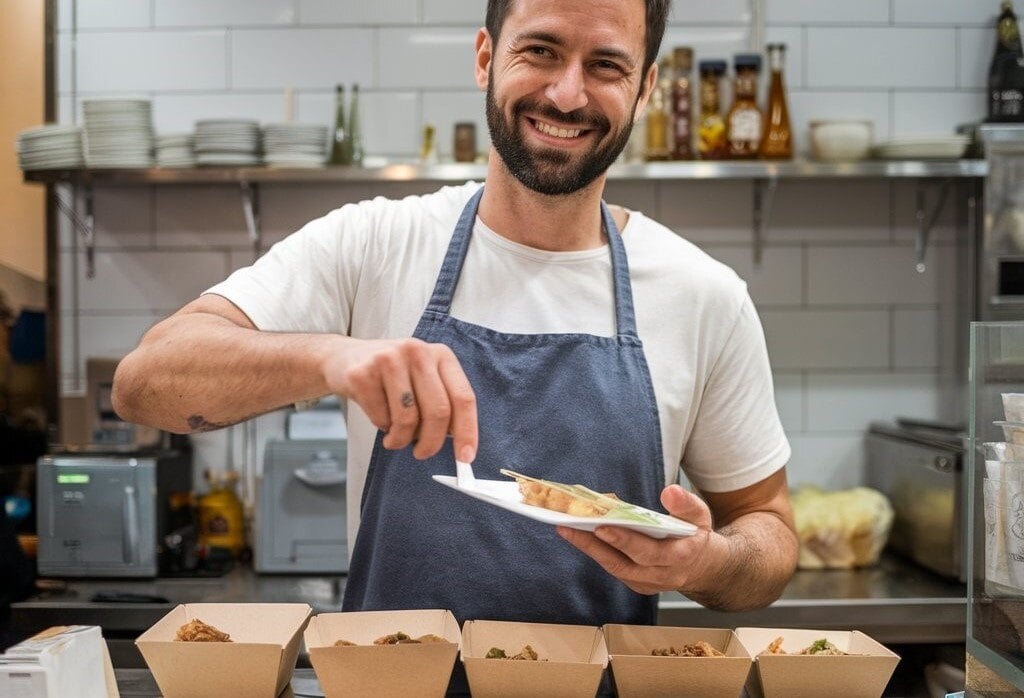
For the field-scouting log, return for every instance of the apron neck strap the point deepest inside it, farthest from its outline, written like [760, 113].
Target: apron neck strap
[455, 257]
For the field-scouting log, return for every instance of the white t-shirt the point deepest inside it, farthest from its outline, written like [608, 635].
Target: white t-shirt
[367, 270]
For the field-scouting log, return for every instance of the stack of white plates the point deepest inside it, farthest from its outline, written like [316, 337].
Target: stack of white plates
[118, 132]
[50, 147]
[227, 142]
[295, 145]
[175, 150]
[936, 147]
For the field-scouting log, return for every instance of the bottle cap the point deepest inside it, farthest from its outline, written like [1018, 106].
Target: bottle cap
[683, 56]
[713, 66]
[747, 60]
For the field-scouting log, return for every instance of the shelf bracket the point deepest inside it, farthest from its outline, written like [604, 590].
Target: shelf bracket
[83, 226]
[764, 201]
[251, 210]
[926, 220]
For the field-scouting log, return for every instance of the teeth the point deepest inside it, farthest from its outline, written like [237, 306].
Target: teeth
[558, 132]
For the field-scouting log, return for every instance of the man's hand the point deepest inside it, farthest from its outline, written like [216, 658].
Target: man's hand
[647, 565]
[411, 390]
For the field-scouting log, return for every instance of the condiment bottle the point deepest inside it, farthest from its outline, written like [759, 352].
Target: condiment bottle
[355, 131]
[1006, 74]
[682, 105]
[777, 143]
[658, 115]
[339, 144]
[712, 143]
[745, 123]
[221, 523]
[465, 142]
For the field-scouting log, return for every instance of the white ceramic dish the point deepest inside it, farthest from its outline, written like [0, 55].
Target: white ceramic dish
[505, 494]
[938, 147]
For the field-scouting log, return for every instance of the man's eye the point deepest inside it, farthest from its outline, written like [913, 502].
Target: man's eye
[539, 50]
[607, 65]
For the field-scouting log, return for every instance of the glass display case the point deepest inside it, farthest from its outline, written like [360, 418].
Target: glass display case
[995, 616]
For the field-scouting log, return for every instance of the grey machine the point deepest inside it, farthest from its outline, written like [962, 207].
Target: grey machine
[105, 514]
[300, 513]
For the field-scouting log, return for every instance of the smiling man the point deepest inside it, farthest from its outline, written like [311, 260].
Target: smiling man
[522, 324]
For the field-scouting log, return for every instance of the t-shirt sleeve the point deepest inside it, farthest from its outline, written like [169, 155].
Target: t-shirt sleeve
[737, 439]
[306, 282]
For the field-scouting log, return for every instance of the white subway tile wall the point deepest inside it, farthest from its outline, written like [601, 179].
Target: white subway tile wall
[853, 331]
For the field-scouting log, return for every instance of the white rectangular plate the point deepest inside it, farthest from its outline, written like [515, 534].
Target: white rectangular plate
[505, 494]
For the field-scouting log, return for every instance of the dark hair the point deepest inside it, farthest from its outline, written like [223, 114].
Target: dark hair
[657, 15]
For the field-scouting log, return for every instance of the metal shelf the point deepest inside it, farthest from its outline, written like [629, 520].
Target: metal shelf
[398, 172]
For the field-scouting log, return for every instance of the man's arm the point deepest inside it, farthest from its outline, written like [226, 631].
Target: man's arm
[207, 367]
[742, 563]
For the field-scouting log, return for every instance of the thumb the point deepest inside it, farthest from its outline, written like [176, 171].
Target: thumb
[686, 505]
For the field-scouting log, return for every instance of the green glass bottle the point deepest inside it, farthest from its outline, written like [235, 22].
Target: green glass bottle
[340, 153]
[355, 132]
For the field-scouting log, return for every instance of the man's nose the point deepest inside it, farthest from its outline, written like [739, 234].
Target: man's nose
[568, 90]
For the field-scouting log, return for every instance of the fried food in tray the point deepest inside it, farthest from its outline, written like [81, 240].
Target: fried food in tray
[398, 638]
[577, 500]
[198, 631]
[821, 648]
[527, 653]
[697, 649]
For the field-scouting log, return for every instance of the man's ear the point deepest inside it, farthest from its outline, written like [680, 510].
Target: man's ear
[484, 54]
[650, 80]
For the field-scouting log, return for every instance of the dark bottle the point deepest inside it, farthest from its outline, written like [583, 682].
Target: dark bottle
[712, 143]
[777, 143]
[355, 130]
[1006, 73]
[682, 105]
[340, 154]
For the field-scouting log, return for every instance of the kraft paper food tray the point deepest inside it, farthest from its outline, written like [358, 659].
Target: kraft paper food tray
[576, 658]
[863, 675]
[258, 662]
[637, 673]
[382, 670]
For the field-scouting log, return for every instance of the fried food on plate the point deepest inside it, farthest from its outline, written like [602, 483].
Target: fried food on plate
[198, 631]
[577, 500]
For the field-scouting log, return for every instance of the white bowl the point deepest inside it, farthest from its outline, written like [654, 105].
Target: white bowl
[841, 140]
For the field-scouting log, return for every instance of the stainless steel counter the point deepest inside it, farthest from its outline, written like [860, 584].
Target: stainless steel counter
[895, 602]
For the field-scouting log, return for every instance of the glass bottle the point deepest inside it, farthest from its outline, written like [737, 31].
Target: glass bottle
[339, 143]
[712, 143]
[682, 105]
[745, 123]
[1006, 74]
[777, 143]
[355, 132]
[658, 116]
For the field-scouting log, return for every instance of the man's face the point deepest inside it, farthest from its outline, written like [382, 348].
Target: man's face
[564, 86]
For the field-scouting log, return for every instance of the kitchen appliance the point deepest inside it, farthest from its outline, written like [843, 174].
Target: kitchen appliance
[105, 514]
[920, 467]
[300, 509]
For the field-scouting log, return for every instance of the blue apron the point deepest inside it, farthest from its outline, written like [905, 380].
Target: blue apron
[575, 408]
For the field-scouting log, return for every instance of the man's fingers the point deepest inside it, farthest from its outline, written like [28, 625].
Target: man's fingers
[434, 410]
[402, 403]
[465, 436]
[686, 505]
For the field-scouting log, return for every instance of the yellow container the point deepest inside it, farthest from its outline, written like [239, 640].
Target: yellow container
[221, 523]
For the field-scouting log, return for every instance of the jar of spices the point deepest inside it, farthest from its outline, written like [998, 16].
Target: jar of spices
[465, 142]
[745, 122]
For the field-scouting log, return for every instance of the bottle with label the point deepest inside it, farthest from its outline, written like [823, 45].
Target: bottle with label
[777, 143]
[339, 143]
[221, 523]
[355, 131]
[712, 143]
[659, 115]
[745, 123]
[1006, 72]
[682, 105]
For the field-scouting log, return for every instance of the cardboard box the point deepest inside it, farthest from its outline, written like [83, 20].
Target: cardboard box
[864, 674]
[382, 670]
[637, 673]
[572, 659]
[60, 661]
[258, 662]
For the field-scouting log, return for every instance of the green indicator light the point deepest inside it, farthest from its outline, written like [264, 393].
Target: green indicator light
[72, 479]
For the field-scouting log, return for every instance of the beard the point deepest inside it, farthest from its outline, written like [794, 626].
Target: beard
[552, 171]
